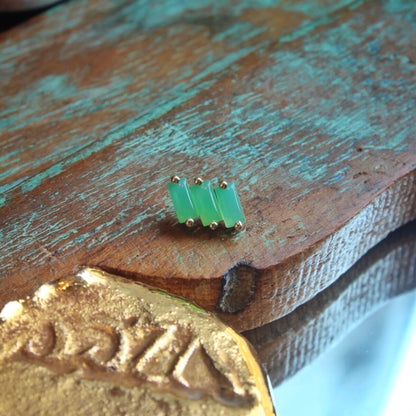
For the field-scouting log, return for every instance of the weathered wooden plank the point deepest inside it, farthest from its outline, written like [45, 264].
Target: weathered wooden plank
[290, 343]
[309, 108]
[116, 71]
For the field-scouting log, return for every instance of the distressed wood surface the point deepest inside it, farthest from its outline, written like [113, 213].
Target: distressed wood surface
[307, 105]
[290, 343]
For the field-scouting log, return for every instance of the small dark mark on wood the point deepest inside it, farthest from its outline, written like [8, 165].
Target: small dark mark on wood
[238, 288]
[359, 174]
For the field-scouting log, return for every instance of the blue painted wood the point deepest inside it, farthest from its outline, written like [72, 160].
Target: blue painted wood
[308, 107]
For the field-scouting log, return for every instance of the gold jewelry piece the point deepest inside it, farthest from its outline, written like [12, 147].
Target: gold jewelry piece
[211, 205]
[96, 341]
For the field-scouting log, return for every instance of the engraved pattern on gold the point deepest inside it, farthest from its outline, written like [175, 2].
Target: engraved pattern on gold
[129, 335]
[42, 341]
[98, 342]
[158, 356]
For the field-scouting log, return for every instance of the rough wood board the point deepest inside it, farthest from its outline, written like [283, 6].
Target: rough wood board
[309, 107]
[290, 343]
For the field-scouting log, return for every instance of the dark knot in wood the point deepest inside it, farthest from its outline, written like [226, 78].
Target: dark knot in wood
[238, 288]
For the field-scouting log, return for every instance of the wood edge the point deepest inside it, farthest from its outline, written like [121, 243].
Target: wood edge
[282, 288]
[288, 344]
[260, 296]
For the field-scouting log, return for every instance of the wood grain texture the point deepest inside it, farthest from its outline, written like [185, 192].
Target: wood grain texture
[290, 343]
[309, 107]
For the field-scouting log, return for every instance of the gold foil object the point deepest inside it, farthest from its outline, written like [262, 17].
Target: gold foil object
[95, 344]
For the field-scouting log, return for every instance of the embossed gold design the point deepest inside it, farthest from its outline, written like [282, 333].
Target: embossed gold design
[124, 346]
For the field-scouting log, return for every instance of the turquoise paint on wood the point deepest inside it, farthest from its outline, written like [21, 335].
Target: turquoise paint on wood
[154, 98]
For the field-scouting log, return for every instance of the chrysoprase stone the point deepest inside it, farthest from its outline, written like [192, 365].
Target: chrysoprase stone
[182, 201]
[229, 205]
[204, 200]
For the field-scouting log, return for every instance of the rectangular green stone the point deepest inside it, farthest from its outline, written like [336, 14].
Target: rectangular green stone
[229, 205]
[181, 198]
[205, 203]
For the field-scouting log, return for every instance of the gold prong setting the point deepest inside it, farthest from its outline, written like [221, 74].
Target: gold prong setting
[223, 184]
[175, 179]
[239, 226]
[198, 181]
[213, 225]
[190, 222]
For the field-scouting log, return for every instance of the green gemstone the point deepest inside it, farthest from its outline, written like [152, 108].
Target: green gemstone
[181, 198]
[205, 203]
[229, 205]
